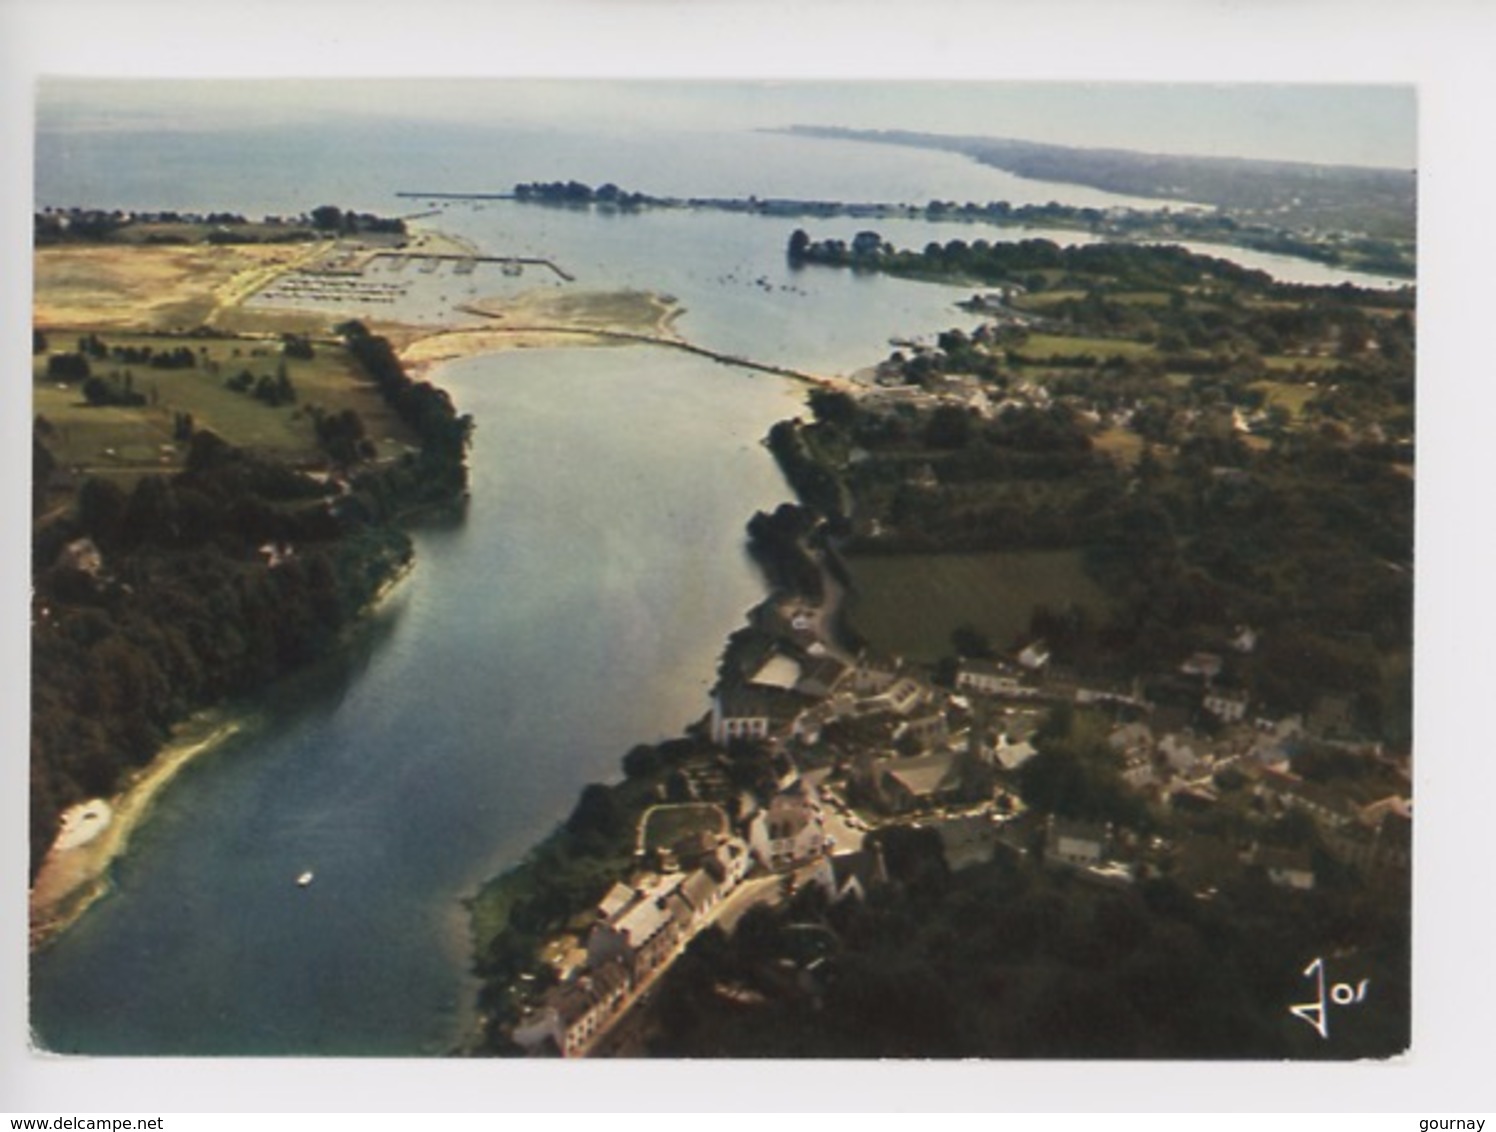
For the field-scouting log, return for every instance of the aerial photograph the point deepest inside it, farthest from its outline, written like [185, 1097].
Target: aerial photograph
[597, 569]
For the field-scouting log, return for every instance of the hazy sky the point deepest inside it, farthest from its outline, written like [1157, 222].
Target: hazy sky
[1360, 125]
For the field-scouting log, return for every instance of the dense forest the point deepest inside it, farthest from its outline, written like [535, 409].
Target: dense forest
[1022, 262]
[1008, 960]
[52, 226]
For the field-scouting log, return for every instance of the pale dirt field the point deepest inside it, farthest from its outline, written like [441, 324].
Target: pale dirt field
[162, 288]
[543, 318]
[124, 287]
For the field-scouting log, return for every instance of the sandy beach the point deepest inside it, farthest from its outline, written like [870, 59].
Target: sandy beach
[76, 870]
[543, 319]
[94, 833]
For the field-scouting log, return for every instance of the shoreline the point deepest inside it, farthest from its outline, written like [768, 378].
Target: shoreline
[72, 878]
[76, 871]
[530, 322]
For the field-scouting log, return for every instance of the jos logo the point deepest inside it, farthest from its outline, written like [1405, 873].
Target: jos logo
[1317, 1013]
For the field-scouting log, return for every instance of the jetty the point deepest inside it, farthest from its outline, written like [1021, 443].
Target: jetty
[409, 195]
[471, 260]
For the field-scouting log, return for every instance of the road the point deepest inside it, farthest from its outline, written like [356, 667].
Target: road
[838, 825]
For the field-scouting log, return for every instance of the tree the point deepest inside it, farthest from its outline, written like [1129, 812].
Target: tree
[799, 245]
[68, 367]
[970, 641]
[42, 466]
[950, 427]
[327, 218]
[833, 407]
[642, 761]
[101, 509]
[596, 815]
[297, 346]
[97, 391]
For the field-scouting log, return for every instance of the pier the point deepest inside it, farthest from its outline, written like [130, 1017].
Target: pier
[408, 195]
[470, 260]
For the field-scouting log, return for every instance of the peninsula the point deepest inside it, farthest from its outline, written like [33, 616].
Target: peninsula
[217, 497]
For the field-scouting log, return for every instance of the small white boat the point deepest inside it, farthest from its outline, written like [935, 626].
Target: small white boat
[304, 879]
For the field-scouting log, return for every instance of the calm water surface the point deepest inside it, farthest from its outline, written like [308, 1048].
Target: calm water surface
[578, 610]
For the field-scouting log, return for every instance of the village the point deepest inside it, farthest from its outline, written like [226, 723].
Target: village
[1193, 738]
[863, 743]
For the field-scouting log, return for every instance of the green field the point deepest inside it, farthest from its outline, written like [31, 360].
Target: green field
[1041, 300]
[1313, 364]
[663, 826]
[1061, 345]
[126, 442]
[1288, 395]
[909, 604]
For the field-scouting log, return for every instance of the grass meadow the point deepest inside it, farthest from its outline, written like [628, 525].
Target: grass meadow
[124, 443]
[910, 604]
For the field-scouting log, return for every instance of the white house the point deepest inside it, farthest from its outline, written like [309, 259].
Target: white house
[988, 678]
[1229, 705]
[872, 674]
[1137, 771]
[642, 932]
[1245, 640]
[850, 874]
[777, 671]
[82, 555]
[791, 831]
[927, 730]
[1206, 664]
[574, 1013]
[901, 697]
[1081, 844]
[1286, 868]
[1013, 755]
[730, 861]
[1179, 752]
[751, 712]
[1034, 656]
